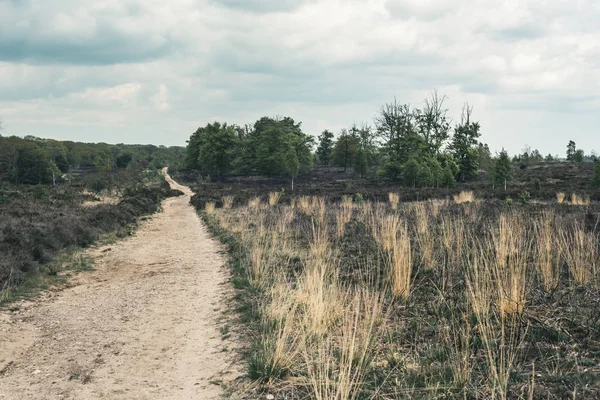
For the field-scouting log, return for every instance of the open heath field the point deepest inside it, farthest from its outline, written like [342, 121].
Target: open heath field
[453, 298]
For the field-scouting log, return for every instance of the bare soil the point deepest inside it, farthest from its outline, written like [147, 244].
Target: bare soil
[143, 325]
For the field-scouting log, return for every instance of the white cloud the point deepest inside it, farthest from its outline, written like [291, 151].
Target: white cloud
[530, 67]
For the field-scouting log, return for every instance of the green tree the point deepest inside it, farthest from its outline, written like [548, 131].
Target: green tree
[411, 172]
[103, 161]
[536, 157]
[390, 170]
[123, 159]
[524, 157]
[436, 171]
[425, 176]
[448, 177]
[579, 156]
[464, 145]
[32, 164]
[269, 142]
[360, 162]
[345, 149]
[217, 148]
[291, 163]
[366, 138]
[549, 158]
[571, 150]
[57, 152]
[485, 156]
[397, 130]
[325, 147]
[502, 169]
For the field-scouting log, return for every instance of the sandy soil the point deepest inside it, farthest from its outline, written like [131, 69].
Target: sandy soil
[143, 325]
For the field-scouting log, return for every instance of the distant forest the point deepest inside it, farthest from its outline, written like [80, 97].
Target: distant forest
[33, 160]
[419, 147]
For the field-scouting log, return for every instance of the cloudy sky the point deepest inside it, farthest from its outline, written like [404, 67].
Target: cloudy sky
[152, 71]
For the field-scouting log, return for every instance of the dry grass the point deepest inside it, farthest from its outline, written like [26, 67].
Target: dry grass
[304, 204]
[400, 264]
[324, 313]
[227, 202]
[337, 365]
[274, 198]
[254, 203]
[498, 329]
[509, 264]
[464, 197]
[341, 219]
[580, 250]
[425, 236]
[394, 199]
[577, 200]
[546, 251]
[209, 208]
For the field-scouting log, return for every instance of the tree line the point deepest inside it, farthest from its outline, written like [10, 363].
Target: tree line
[32, 160]
[417, 146]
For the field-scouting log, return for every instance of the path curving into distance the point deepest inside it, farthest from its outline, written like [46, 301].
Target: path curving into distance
[143, 325]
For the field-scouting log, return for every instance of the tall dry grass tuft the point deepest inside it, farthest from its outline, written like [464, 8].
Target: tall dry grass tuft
[580, 250]
[319, 294]
[281, 233]
[453, 238]
[343, 216]
[227, 202]
[258, 256]
[498, 329]
[385, 230]
[394, 199]
[577, 200]
[209, 208]
[320, 245]
[458, 339]
[337, 366]
[400, 264]
[464, 197]
[340, 223]
[509, 256]
[394, 240]
[274, 198]
[317, 208]
[304, 204]
[276, 354]
[547, 257]
[435, 205]
[560, 197]
[425, 236]
[254, 203]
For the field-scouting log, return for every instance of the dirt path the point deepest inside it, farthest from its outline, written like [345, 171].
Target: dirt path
[143, 325]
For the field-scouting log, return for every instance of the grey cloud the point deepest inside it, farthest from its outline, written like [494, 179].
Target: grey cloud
[567, 103]
[402, 9]
[106, 50]
[32, 32]
[512, 34]
[261, 5]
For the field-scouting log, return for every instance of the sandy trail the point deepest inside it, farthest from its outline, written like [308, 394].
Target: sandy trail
[143, 325]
